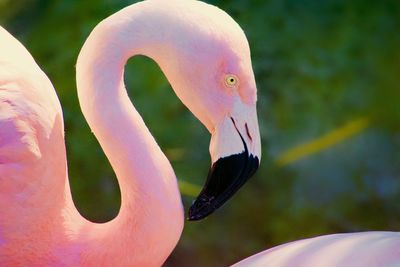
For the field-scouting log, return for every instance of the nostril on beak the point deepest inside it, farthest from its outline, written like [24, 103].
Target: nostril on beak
[248, 132]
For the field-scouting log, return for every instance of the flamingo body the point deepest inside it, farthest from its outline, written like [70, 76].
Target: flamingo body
[364, 249]
[32, 153]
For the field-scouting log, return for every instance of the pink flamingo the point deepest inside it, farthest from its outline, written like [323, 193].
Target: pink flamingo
[205, 56]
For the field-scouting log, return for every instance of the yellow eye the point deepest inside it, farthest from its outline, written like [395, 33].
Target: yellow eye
[231, 80]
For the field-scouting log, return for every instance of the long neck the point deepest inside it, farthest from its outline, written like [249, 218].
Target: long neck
[150, 220]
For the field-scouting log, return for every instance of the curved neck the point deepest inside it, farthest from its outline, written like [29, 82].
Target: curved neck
[150, 220]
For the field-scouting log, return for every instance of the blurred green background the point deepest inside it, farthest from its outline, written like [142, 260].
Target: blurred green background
[328, 76]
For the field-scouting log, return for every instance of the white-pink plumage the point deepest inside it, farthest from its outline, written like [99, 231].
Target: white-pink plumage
[364, 249]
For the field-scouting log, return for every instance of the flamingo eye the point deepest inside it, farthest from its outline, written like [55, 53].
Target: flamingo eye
[231, 80]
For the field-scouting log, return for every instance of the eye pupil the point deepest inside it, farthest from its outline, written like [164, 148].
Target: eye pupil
[231, 80]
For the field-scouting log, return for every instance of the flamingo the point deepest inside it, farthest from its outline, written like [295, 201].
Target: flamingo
[205, 56]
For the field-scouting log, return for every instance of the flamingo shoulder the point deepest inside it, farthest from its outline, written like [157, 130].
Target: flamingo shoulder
[28, 104]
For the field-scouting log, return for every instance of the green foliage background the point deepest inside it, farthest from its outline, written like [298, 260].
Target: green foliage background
[318, 64]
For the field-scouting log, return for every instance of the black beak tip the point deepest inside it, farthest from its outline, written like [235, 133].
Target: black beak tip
[200, 208]
[226, 177]
[195, 217]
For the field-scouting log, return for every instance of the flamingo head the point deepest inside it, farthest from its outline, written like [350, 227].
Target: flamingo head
[211, 72]
[229, 113]
[231, 118]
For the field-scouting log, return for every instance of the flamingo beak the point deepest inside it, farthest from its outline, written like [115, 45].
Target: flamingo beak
[235, 150]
